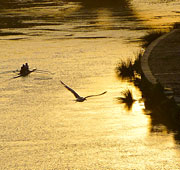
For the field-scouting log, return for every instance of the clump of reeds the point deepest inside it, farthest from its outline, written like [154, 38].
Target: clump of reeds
[127, 98]
[129, 69]
[125, 69]
[137, 63]
[150, 37]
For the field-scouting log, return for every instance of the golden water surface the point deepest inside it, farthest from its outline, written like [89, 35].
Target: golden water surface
[80, 43]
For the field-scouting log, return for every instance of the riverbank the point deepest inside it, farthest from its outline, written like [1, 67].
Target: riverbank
[160, 81]
[156, 73]
[160, 63]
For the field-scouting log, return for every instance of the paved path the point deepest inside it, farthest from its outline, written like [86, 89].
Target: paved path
[161, 62]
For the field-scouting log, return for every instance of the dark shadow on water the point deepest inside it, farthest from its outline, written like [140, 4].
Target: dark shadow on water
[11, 18]
[10, 33]
[15, 14]
[16, 4]
[113, 4]
[119, 9]
[89, 11]
[163, 109]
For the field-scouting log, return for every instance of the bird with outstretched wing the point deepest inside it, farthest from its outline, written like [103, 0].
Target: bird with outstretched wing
[79, 98]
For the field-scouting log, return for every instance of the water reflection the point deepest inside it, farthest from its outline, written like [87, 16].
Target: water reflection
[164, 112]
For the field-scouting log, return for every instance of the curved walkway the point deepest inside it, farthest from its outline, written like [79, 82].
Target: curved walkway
[161, 63]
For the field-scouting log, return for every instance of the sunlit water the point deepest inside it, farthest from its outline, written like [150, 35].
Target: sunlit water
[41, 127]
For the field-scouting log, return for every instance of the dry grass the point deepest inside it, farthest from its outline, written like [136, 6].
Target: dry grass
[150, 37]
[127, 97]
[129, 69]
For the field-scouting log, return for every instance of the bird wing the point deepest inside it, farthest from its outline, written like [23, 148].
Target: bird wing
[71, 90]
[96, 95]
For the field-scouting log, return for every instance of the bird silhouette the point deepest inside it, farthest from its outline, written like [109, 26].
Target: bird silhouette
[79, 98]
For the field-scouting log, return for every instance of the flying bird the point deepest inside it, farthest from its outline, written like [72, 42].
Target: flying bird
[79, 98]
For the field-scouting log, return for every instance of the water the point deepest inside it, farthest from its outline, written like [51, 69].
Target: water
[41, 127]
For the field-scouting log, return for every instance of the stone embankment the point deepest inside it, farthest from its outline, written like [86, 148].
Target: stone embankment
[161, 63]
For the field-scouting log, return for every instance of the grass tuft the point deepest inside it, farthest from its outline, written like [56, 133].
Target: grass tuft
[127, 98]
[125, 69]
[130, 69]
[150, 37]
